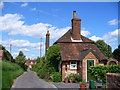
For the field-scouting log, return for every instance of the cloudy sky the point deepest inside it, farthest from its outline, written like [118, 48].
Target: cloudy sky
[24, 23]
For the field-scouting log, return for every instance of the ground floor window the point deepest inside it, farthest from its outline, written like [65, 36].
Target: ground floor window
[73, 65]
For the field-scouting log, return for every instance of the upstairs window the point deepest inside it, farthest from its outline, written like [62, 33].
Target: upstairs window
[73, 65]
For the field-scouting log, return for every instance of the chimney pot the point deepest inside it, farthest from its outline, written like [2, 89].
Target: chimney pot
[74, 14]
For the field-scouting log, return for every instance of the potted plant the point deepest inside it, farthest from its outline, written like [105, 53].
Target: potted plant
[66, 79]
[72, 79]
[83, 84]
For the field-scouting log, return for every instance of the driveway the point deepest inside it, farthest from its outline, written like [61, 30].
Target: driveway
[29, 79]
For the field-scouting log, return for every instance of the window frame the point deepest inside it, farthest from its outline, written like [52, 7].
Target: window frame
[71, 65]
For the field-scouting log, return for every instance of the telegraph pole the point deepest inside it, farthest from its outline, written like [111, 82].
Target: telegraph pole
[10, 51]
[40, 47]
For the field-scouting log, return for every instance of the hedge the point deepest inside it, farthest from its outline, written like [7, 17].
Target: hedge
[99, 72]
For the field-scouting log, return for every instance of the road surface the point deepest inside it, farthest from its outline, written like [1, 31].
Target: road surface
[29, 79]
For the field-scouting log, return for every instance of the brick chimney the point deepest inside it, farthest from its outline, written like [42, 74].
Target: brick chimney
[76, 27]
[47, 40]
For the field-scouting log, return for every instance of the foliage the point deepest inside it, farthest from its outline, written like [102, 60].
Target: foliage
[20, 59]
[83, 83]
[75, 77]
[116, 53]
[43, 69]
[9, 72]
[53, 55]
[99, 72]
[56, 77]
[104, 48]
[6, 54]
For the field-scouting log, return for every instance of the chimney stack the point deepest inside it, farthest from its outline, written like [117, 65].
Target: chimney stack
[47, 40]
[76, 27]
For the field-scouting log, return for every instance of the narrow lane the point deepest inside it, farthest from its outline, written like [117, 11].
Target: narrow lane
[30, 80]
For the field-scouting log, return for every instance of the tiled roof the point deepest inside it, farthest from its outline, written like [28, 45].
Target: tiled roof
[67, 38]
[77, 51]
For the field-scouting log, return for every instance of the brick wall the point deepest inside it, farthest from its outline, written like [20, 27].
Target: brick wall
[64, 72]
[113, 80]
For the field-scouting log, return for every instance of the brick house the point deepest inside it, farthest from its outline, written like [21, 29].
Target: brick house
[1, 55]
[77, 51]
[29, 63]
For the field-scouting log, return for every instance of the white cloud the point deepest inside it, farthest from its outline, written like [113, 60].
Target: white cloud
[85, 33]
[24, 4]
[21, 43]
[24, 49]
[15, 53]
[95, 38]
[33, 9]
[109, 37]
[12, 24]
[1, 4]
[113, 22]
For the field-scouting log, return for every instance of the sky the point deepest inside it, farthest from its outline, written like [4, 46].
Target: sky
[23, 24]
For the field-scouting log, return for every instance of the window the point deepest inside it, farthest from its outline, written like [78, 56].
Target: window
[73, 65]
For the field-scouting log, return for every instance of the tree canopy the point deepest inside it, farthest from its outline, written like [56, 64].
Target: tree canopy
[20, 58]
[53, 55]
[116, 53]
[104, 48]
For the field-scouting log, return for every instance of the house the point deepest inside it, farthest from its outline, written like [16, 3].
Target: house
[1, 55]
[77, 52]
[29, 63]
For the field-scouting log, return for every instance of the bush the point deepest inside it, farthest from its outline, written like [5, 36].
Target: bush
[43, 69]
[56, 77]
[99, 72]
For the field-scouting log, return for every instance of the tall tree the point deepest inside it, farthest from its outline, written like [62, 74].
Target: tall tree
[53, 55]
[20, 59]
[116, 53]
[104, 48]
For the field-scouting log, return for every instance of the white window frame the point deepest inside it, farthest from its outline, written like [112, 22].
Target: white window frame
[71, 65]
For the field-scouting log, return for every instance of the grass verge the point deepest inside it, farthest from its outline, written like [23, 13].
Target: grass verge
[10, 71]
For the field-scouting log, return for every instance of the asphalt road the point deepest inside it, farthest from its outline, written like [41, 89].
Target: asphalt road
[30, 80]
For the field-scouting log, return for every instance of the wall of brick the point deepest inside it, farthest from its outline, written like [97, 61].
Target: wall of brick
[65, 73]
[113, 80]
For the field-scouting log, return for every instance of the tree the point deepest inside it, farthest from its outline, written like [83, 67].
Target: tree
[20, 58]
[104, 48]
[116, 53]
[53, 55]
[6, 54]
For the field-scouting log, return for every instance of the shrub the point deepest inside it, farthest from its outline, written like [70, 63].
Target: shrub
[43, 69]
[56, 77]
[99, 72]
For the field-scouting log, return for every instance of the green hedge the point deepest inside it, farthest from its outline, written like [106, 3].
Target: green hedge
[99, 72]
[10, 71]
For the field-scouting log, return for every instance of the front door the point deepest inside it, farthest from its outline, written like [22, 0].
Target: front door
[89, 63]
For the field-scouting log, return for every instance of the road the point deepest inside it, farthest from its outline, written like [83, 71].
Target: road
[29, 79]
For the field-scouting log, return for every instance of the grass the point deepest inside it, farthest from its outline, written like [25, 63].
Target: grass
[10, 71]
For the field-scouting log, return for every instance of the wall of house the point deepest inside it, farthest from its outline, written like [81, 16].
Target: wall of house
[68, 71]
[90, 56]
[113, 80]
